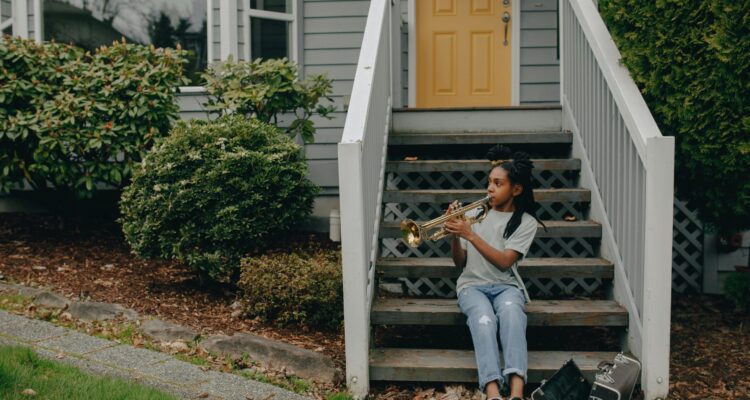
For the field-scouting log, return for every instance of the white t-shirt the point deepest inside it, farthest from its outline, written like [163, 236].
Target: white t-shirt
[478, 270]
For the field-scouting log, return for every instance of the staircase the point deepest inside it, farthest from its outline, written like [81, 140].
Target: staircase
[419, 333]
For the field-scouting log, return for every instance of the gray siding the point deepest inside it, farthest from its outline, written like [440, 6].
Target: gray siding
[191, 105]
[216, 32]
[540, 65]
[241, 26]
[405, 51]
[332, 37]
[5, 9]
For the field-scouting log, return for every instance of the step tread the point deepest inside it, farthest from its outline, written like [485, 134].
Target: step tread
[395, 364]
[547, 195]
[540, 164]
[586, 228]
[396, 138]
[533, 267]
[414, 311]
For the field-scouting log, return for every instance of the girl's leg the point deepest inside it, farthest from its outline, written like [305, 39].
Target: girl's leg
[509, 309]
[482, 323]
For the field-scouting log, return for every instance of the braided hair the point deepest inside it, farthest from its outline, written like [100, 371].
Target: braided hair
[519, 167]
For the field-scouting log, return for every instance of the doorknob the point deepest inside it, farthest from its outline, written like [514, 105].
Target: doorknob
[506, 19]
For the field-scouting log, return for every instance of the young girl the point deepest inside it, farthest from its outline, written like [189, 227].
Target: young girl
[490, 292]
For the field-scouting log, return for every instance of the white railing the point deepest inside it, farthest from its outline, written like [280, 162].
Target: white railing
[629, 166]
[361, 155]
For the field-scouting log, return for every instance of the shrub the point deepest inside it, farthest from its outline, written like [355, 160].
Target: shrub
[737, 289]
[71, 119]
[691, 60]
[300, 287]
[266, 89]
[212, 192]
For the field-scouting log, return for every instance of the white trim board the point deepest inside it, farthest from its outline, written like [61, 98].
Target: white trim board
[515, 39]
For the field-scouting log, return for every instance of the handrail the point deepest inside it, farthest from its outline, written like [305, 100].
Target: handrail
[361, 160]
[629, 167]
[638, 118]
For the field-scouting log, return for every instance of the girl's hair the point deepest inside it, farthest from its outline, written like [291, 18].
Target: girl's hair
[519, 167]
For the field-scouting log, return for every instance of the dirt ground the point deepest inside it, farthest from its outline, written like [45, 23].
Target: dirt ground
[710, 341]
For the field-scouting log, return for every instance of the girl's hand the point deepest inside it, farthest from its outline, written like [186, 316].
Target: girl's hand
[460, 228]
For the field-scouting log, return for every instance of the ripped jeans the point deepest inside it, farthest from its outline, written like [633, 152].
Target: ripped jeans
[489, 309]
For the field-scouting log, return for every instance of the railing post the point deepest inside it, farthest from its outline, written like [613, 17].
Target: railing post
[657, 274]
[354, 258]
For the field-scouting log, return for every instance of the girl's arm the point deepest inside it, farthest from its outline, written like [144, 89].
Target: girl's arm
[501, 259]
[458, 253]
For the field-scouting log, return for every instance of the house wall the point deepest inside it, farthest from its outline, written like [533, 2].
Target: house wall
[540, 61]
[332, 36]
[5, 9]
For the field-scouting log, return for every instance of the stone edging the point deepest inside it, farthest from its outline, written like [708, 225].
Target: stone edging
[271, 354]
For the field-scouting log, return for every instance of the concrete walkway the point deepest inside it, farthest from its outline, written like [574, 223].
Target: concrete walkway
[160, 370]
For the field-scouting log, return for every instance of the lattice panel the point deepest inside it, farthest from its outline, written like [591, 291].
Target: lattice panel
[541, 247]
[472, 180]
[687, 249]
[428, 211]
[537, 287]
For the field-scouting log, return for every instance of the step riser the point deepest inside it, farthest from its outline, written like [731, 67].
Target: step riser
[474, 165]
[478, 120]
[483, 139]
[539, 319]
[460, 366]
[599, 272]
[471, 195]
[572, 230]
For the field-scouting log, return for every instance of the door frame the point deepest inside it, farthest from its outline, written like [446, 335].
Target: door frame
[515, 59]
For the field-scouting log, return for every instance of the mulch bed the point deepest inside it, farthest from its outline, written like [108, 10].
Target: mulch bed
[91, 260]
[710, 340]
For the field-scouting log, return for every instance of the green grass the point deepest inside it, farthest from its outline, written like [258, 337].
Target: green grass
[21, 369]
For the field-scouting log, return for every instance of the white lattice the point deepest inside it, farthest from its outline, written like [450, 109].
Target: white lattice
[687, 249]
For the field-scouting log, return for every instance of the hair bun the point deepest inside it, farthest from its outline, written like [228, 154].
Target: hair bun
[498, 152]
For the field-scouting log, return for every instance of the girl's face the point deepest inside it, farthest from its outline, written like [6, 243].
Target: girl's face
[501, 190]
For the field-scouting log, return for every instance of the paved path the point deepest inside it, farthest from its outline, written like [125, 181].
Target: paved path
[103, 357]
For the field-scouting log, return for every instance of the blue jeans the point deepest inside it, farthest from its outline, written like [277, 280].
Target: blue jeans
[489, 309]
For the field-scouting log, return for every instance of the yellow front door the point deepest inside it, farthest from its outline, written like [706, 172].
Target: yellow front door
[463, 53]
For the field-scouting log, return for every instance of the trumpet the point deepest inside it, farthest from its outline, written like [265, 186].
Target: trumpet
[413, 233]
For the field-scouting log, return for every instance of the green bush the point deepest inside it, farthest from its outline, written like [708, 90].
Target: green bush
[691, 60]
[737, 289]
[266, 89]
[71, 119]
[300, 287]
[213, 192]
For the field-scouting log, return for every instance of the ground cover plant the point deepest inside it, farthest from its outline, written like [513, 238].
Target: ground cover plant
[75, 121]
[213, 192]
[25, 375]
[302, 287]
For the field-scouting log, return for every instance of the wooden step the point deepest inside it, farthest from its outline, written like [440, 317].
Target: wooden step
[411, 311]
[487, 138]
[442, 196]
[507, 119]
[590, 229]
[443, 267]
[540, 164]
[440, 365]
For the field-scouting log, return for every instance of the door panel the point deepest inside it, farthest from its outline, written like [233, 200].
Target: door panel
[462, 56]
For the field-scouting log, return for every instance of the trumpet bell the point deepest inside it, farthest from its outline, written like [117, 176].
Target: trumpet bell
[411, 233]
